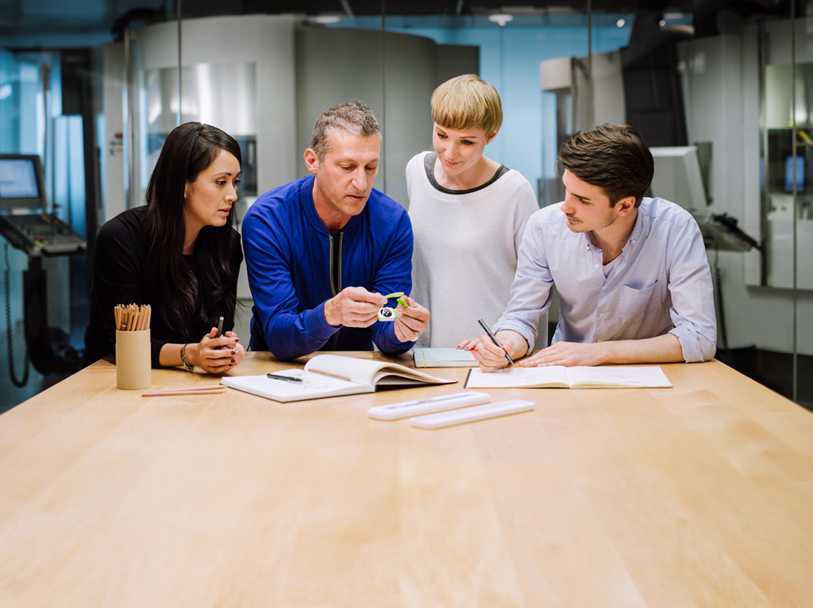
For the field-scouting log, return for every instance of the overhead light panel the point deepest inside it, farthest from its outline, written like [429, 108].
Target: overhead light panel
[501, 19]
[325, 19]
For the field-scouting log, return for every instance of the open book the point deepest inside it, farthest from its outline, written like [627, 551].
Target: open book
[612, 376]
[331, 376]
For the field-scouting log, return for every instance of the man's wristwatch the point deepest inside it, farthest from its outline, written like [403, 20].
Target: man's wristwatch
[185, 360]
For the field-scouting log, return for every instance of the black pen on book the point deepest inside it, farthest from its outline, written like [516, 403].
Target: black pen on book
[283, 378]
[491, 335]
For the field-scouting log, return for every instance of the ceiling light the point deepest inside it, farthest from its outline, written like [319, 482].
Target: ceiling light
[325, 19]
[620, 23]
[501, 19]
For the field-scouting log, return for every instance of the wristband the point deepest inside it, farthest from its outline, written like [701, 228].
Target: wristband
[185, 360]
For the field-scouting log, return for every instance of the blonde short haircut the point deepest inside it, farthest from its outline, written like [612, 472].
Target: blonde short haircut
[466, 102]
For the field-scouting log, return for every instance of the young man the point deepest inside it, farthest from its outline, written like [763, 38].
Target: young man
[631, 272]
[322, 251]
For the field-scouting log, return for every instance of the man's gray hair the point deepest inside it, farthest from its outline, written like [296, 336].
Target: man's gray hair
[352, 116]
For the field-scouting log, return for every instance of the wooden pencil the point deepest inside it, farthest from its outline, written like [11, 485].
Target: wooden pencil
[132, 317]
[212, 390]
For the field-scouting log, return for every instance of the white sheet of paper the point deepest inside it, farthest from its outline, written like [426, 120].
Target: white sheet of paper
[516, 377]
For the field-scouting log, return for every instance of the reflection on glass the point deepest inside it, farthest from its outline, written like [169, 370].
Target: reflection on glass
[788, 192]
[218, 94]
[510, 53]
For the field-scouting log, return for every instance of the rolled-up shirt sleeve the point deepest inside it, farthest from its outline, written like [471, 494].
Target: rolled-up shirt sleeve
[692, 294]
[532, 286]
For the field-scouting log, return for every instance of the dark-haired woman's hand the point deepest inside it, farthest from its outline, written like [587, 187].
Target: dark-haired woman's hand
[239, 351]
[218, 355]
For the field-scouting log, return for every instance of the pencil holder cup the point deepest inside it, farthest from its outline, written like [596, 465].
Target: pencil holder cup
[133, 364]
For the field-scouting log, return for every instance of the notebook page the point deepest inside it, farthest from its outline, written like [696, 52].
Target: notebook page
[618, 376]
[313, 386]
[519, 377]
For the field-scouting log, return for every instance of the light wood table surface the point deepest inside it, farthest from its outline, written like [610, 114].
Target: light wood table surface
[701, 495]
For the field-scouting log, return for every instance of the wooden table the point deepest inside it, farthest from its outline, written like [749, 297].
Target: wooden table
[701, 495]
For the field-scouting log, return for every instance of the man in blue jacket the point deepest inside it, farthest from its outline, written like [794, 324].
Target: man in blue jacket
[323, 251]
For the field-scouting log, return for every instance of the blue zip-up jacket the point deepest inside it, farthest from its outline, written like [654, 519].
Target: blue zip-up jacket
[288, 255]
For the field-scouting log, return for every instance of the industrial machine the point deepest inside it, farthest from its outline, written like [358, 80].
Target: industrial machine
[28, 226]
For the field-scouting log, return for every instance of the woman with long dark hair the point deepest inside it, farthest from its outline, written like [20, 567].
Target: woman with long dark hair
[179, 253]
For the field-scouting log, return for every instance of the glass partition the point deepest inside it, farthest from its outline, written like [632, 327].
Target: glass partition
[801, 165]
[732, 91]
[49, 75]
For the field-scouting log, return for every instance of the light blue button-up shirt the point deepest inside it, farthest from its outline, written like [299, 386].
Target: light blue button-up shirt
[661, 282]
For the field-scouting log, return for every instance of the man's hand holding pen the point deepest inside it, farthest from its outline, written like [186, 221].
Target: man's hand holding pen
[492, 357]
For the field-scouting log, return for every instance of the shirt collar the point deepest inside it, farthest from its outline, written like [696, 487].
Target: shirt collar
[643, 224]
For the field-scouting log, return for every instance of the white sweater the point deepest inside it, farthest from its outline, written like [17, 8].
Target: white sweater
[466, 246]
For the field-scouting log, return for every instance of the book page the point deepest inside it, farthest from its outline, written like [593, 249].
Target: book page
[618, 376]
[394, 374]
[553, 376]
[359, 371]
[370, 373]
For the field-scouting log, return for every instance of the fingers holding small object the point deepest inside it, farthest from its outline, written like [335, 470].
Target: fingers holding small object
[486, 346]
[412, 323]
[386, 313]
[415, 311]
[489, 355]
[404, 333]
[222, 342]
[359, 294]
[488, 362]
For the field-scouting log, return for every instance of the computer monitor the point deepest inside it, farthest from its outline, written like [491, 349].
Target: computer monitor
[21, 183]
[677, 176]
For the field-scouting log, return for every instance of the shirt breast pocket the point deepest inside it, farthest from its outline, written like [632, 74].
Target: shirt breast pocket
[635, 298]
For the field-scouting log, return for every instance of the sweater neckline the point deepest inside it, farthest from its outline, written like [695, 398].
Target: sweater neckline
[429, 168]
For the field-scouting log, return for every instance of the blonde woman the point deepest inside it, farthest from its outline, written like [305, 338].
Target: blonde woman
[468, 213]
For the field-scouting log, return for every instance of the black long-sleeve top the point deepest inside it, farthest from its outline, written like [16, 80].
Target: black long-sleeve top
[121, 276]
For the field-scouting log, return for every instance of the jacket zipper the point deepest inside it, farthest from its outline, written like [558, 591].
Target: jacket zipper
[333, 286]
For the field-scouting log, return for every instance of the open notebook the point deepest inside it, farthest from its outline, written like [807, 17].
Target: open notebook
[612, 376]
[332, 376]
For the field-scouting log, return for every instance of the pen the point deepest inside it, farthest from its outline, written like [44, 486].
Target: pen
[284, 378]
[487, 329]
[219, 327]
